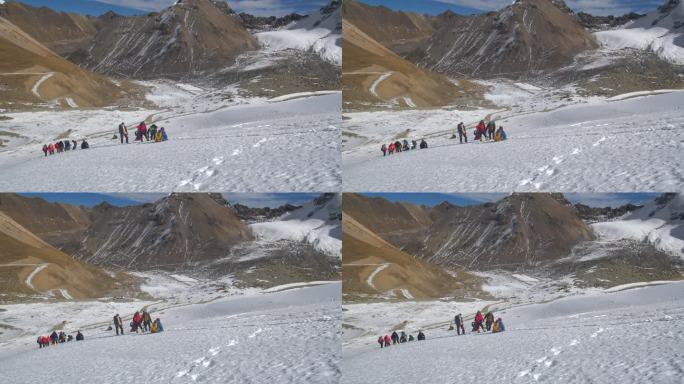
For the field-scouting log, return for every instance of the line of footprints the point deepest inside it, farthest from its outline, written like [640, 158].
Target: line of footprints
[546, 362]
[205, 362]
[549, 169]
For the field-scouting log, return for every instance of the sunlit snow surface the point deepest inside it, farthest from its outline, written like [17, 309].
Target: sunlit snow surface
[630, 336]
[554, 144]
[290, 336]
[241, 145]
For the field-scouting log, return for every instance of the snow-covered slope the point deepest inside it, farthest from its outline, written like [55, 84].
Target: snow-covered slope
[290, 336]
[320, 32]
[287, 144]
[661, 223]
[661, 31]
[550, 146]
[629, 336]
[317, 223]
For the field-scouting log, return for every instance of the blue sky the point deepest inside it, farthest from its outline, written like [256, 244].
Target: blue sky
[127, 199]
[466, 199]
[129, 7]
[596, 7]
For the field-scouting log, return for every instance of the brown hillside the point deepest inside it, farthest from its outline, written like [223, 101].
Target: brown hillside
[519, 231]
[173, 233]
[383, 216]
[526, 37]
[393, 273]
[22, 253]
[401, 32]
[365, 62]
[26, 62]
[61, 32]
[188, 37]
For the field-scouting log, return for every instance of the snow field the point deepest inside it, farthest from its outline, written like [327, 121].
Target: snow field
[597, 146]
[630, 336]
[285, 337]
[311, 223]
[291, 145]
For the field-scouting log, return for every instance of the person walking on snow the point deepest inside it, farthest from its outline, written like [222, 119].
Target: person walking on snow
[45, 149]
[384, 150]
[478, 321]
[391, 148]
[118, 324]
[421, 336]
[489, 320]
[137, 321]
[381, 341]
[395, 337]
[123, 132]
[79, 336]
[147, 321]
[458, 322]
[491, 129]
[462, 133]
[388, 341]
[152, 131]
[423, 144]
[142, 131]
[481, 129]
[74, 145]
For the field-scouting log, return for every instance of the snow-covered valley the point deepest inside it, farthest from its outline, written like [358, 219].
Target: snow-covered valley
[290, 334]
[557, 140]
[625, 335]
[217, 141]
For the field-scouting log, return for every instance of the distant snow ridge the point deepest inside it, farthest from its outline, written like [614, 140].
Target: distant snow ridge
[661, 32]
[320, 32]
[660, 223]
[317, 223]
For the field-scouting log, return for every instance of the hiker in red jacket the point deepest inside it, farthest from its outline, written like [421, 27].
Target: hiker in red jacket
[391, 148]
[481, 130]
[137, 320]
[388, 341]
[142, 131]
[478, 322]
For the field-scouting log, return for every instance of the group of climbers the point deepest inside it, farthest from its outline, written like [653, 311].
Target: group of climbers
[483, 131]
[481, 323]
[141, 322]
[153, 133]
[402, 146]
[395, 338]
[63, 146]
[490, 325]
[58, 338]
